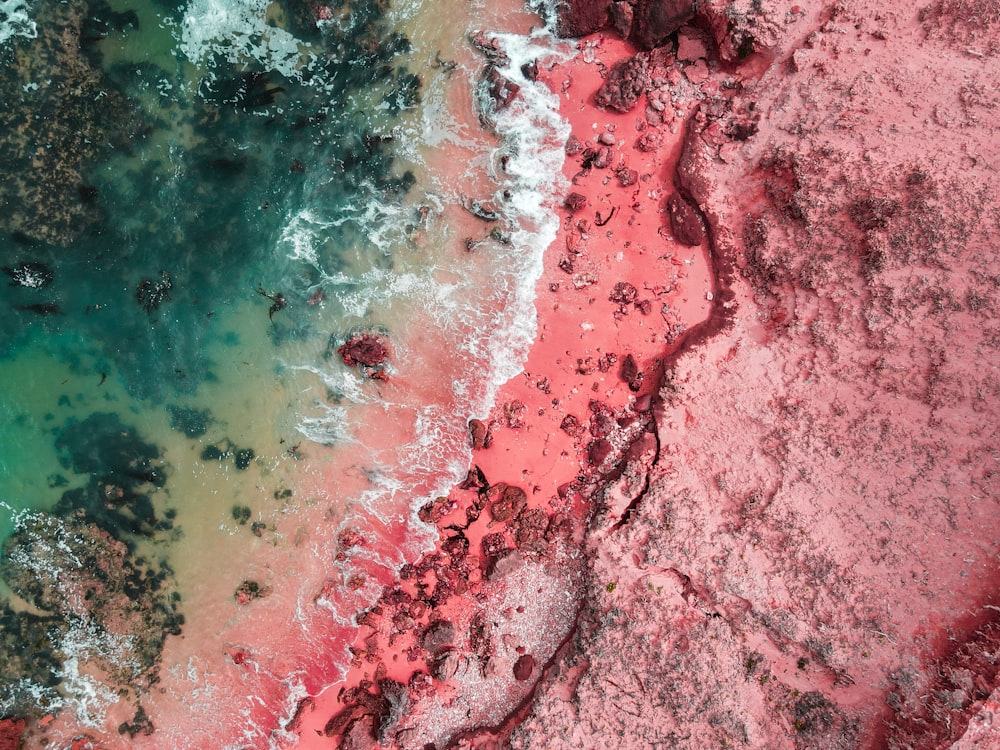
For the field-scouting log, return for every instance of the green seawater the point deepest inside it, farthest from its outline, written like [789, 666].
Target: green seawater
[150, 203]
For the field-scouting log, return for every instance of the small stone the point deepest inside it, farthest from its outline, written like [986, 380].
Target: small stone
[575, 202]
[524, 667]
[626, 177]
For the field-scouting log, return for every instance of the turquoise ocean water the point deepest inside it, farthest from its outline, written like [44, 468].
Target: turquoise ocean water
[200, 201]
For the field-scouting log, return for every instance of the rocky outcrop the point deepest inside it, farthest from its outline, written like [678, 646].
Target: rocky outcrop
[645, 23]
[368, 352]
[76, 570]
[577, 18]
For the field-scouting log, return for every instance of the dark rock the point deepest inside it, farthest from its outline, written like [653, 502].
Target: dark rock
[441, 594]
[444, 666]
[624, 293]
[524, 667]
[490, 47]
[571, 426]
[649, 141]
[598, 451]
[366, 351]
[501, 89]
[685, 222]
[396, 699]
[602, 419]
[151, 294]
[626, 177]
[485, 210]
[530, 70]
[249, 591]
[493, 545]
[506, 502]
[435, 510]
[192, 422]
[438, 635]
[480, 434]
[30, 275]
[575, 202]
[573, 145]
[141, 725]
[626, 82]
[655, 20]
[531, 528]
[579, 18]
[456, 547]
[622, 18]
[41, 308]
[243, 458]
[603, 158]
[631, 373]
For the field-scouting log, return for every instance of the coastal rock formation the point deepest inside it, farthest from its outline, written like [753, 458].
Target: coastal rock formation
[367, 352]
[100, 603]
[784, 497]
[645, 23]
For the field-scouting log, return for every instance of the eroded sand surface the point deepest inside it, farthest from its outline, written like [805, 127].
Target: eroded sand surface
[814, 563]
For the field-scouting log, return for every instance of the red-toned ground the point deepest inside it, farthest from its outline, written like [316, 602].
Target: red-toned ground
[783, 534]
[815, 561]
[617, 292]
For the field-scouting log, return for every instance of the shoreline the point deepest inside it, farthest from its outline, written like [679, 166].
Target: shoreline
[557, 434]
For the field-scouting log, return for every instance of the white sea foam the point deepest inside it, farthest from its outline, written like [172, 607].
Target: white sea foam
[237, 30]
[486, 319]
[15, 20]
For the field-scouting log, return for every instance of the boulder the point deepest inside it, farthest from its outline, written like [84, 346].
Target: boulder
[685, 222]
[582, 17]
[645, 23]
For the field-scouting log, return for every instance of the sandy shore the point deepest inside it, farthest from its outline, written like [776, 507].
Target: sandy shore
[745, 492]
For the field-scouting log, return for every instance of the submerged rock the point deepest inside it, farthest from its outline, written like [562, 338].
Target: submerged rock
[29, 274]
[123, 471]
[116, 607]
[369, 353]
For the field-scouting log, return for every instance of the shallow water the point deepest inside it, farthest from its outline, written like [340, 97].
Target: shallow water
[250, 190]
